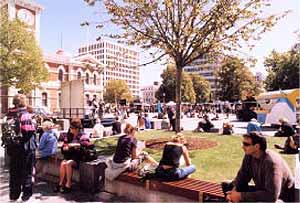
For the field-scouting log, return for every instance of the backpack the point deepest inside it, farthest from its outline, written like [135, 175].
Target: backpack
[11, 132]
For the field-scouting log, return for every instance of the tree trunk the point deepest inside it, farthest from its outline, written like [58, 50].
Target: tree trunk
[178, 96]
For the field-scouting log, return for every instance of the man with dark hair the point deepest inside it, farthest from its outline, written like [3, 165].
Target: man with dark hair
[21, 155]
[270, 173]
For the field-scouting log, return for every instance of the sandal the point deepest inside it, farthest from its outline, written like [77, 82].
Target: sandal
[57, 188]
[67, 190]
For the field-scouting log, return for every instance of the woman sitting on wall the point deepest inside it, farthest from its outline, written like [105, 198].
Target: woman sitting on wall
[71, 151]
[127, 155]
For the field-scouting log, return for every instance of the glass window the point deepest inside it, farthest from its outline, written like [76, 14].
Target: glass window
[60, 75]
[87, 78]
[95, 79]
[78, 75]
[44, 99]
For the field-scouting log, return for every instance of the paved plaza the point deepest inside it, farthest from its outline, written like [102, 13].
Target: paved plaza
[43, 190]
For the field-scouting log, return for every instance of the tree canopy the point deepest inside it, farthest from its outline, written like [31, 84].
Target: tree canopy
[21, 61]
[283, 70]
[201, 87]
[166, 91]
[235, 81]
[186, 30]
[116, 90]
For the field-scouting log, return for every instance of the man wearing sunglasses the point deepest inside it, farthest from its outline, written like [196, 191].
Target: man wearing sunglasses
[271, 175]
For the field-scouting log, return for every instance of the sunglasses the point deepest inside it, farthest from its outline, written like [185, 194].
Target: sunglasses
[246, 144]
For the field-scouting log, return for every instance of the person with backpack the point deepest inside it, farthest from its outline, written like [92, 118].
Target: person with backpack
[20, 149]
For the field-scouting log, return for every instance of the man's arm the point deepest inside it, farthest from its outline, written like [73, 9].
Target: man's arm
[245, 173]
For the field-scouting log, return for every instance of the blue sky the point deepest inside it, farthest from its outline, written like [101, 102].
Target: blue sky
[63, 18]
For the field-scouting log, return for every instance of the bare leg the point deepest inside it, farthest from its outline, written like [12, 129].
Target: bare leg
[69, 167]
[62, 172]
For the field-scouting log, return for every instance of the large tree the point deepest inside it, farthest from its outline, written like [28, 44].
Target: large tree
[166, 91]
[116, 90]
[186, 30]
[21, 61]
[283, 70]
[201, 87]
[235, 81]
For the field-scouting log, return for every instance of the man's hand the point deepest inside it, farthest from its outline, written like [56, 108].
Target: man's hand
[233, 196]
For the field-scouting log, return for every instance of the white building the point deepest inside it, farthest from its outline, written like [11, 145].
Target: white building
[148, 93]
[121, 62]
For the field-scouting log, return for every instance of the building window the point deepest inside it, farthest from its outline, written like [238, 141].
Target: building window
[59, 100]
[87, 78]
[44, 99]
[60, 75]
[95, 79]
[78, 75]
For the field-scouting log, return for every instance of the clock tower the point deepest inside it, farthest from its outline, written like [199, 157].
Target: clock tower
[27, 11]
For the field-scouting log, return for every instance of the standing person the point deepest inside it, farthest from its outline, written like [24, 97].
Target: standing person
[270, 173]
[168, 168]
[21, 155]
[71, 152]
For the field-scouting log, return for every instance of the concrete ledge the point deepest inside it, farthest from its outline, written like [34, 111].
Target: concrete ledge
[89, 176]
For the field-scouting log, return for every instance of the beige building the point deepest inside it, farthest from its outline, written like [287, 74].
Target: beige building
[61, 66]
[148, 93]
[121, 63]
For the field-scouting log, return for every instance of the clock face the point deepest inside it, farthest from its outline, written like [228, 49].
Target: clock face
[26, 16]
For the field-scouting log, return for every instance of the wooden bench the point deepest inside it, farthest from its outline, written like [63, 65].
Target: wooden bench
[190, 189]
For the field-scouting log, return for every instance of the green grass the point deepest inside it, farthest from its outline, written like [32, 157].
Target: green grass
[215, 164]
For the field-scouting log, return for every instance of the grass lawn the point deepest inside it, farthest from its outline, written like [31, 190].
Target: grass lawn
[215, 164]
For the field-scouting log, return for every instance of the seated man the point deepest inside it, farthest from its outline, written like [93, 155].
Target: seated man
[204, 124]
[116, 127]
[227, 128]
[273, 180]
[285, 129]
[291, 145]
[253, 125]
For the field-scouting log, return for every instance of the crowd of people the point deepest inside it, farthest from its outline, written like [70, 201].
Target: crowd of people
[269, 172]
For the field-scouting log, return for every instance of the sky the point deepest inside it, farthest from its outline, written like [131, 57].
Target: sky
[60, 28]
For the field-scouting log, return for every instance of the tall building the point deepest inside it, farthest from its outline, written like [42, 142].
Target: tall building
[148, 93]
[205, 68]
[121, 62]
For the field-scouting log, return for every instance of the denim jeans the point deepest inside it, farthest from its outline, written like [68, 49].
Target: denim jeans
[185, 171]
[174, 173]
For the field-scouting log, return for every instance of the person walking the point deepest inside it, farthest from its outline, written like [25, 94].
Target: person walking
[21, 155]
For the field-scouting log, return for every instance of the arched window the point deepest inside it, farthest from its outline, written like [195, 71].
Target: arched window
[95, 79]
[44, 99]
[60, 75]
[78, 75]
[87, 78]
